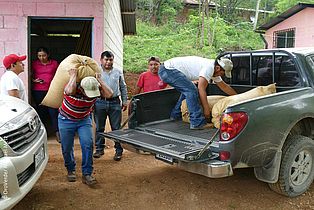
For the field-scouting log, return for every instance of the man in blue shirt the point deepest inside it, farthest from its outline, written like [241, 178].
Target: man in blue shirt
[111, 107]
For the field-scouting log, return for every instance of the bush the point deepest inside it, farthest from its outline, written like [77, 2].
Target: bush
[174, 39]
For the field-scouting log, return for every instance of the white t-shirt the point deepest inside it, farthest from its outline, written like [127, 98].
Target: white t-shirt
[10, 81]
[193, 67]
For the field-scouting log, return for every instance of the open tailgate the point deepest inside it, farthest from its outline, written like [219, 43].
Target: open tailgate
[168, 140]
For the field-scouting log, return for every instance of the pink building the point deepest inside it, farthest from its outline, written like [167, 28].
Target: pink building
[86, 27]
[293, 28]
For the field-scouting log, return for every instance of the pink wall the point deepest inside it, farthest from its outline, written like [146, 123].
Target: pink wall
[13, 23]
[303, 22]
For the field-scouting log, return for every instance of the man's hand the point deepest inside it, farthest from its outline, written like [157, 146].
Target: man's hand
[206, 114]
[72, 72]
[98, 76]
[70, 88]
[124, 107]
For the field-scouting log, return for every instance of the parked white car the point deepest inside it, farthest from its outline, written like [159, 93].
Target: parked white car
[23, 150]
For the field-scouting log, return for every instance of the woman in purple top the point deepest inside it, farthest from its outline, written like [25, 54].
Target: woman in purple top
[44, 69]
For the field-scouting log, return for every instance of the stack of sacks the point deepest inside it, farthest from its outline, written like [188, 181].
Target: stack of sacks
[86, 66]
[222, 104]
[211, 101]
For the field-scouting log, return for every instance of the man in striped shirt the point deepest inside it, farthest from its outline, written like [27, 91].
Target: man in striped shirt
[75, 117]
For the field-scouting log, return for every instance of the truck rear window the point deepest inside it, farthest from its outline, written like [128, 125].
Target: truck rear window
[264, 70]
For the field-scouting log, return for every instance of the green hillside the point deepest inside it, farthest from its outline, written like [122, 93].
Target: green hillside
[174, 39]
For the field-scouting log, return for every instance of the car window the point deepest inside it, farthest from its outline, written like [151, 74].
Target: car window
[262, 70]
[286, 74]
[241, 70]
[266, 69]
[310, 61]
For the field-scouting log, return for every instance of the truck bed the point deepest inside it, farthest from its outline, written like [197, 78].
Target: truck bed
[166, 137]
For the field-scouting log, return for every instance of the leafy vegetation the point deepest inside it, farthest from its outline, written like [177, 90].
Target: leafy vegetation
[283, 5]
[205, 33]
[174, 39]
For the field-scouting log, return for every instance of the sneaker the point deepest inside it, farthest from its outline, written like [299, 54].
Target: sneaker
[58, 137]
[202, 127]
[71, 176]
[117, 157]
[98, 154]
[89, 180]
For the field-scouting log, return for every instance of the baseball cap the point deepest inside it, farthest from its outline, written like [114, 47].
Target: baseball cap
[12, 58]
[154, 58]
[227, 65]
[91, 87]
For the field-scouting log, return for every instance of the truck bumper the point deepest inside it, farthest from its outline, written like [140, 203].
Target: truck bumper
[212, 169]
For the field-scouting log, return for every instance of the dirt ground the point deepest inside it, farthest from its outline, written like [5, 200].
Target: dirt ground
[142, 182]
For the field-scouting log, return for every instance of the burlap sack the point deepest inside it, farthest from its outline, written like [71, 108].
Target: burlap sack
[211, 101]
[222, 104]
[86, 67]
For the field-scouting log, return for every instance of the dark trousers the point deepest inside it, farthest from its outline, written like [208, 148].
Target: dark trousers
[43, 111]
[103, 109]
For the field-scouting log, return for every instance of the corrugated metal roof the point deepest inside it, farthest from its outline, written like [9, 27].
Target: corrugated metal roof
[288, 13]
[128, 16]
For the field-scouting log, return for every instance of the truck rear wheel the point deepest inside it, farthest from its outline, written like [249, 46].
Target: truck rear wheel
[296, 171]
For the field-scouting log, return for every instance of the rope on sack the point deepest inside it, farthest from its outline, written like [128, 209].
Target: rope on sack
[84, 63]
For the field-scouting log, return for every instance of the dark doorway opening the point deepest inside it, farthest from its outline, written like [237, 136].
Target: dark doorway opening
[62, 36]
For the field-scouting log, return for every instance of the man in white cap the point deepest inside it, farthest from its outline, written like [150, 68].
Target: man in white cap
[11, 84]
[75, 117]
[179, 72]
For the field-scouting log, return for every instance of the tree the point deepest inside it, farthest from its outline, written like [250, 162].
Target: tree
[227, 9]
[158, 11]
[256, 13]
[283, 5]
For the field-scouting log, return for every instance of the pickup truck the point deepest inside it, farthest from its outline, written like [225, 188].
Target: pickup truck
[272, 133]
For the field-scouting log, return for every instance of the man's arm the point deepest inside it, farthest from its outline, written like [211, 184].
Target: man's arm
[14, 93]
[124, 92]
[202, 85]
[70, 88]
[137, 90]
[105, 90]
[226, 88]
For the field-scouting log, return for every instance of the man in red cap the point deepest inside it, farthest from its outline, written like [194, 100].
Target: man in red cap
[10, 83]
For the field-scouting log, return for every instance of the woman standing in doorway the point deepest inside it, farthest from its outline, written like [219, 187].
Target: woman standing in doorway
[44, 69]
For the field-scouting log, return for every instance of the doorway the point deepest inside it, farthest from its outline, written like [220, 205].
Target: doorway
[62, 37]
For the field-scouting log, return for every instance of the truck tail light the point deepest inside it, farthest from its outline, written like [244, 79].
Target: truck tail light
[232, 124]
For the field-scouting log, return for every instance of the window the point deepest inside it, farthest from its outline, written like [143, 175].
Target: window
[267, 68]
[310, 60]
[286, 74]
[262, 70]
[241, 70]
[284, 38]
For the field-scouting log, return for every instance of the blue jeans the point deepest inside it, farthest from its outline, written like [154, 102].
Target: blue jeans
[104, 108]
[67, 130]
[188, 90]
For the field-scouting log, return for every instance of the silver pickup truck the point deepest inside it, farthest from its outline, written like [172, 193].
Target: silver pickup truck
[23, 150]
[273, 133]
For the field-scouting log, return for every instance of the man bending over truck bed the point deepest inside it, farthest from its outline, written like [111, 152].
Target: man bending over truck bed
[179, 72]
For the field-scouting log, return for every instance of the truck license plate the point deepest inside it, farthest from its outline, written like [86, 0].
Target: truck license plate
[39, 156]
[165, 158]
